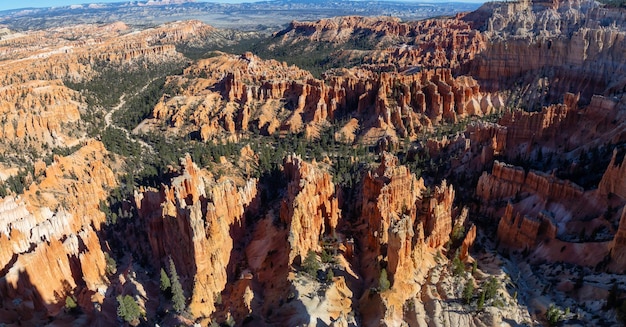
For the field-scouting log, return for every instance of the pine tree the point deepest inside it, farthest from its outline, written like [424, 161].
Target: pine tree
[491, 288]
[127, 308]
[383, 281]
[311, 265]
[468, 291]
[122, 312]
[178, 297]
[458, 267]
[481, 300]
[165, 281]
[330, 275]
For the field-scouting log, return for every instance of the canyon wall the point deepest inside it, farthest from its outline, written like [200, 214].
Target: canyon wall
[228, 95]
[193, 222]
[426, 43]
[50, 235]
[557, 47]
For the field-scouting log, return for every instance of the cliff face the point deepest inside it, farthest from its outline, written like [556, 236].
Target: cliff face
[38, 113]
[228, 95]
[427, 43]
[406, 225]
[505, 182]
[310, 208]
[194, 221]
[49, 235]
[520, 231]
[550, 217]
[526, 44]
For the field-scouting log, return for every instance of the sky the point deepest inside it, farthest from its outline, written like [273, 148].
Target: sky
[6, 5]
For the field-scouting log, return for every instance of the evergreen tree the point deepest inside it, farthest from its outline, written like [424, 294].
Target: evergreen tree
[491, 288]
[468, 291]
[311, 265]
[178, 297]
[458, 267]
[383, 281]
[165, 281]
[330, 275]
[481, 300]
[127, 308]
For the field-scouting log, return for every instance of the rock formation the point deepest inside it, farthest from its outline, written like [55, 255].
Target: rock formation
[527, 44]
[227, 95]
[506, 182]
[193, 222]
[310, 208]
[514, 115]
[425, 43]
[38, 113]
[406, 225]
[50, 240]
[614, 178]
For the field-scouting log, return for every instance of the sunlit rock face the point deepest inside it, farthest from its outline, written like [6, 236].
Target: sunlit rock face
[50, 238]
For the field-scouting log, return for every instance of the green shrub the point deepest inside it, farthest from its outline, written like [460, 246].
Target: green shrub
[553, 315]
[70, 303]
[111, 265]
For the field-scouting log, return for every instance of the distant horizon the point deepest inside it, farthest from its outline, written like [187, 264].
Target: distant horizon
[59, 3]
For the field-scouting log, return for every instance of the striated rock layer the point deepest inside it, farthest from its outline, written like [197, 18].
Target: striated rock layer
[427, 43]
[50, 246]
[228, 95]
[552, 47]
[193, 222]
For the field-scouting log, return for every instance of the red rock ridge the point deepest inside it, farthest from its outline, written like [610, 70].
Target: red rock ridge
[231, 94]
[507, 181]
[427, 43]
[191, 221]
[310, 208]
[49, 236]
[405, 226]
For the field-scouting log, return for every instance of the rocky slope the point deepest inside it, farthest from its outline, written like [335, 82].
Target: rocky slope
[388, 41]
[227, 96]
[549, 48]
[462, 171]
[51, 241]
